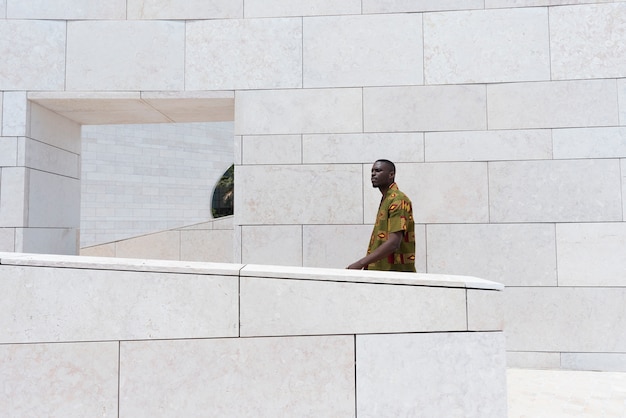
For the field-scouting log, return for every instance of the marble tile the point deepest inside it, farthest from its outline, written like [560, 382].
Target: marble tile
[498, 252]
[53, 129]
[8, 151]
[431, 375]
[244, 54]
[92, 305]
[535, 144]
[272, 244]
[61, 380]
[505, 45]
[66, 9]
[588, 41]
[3, 8]
[317, 194]
[555, 191]
[299, 111]
[565, 319]
[15, 114]
[1, 111]
[7, 239]
[441, 193]
[53, 200]
[424, 108]
[334, 55]
[164, 245]
[307, 307]
[589, 142]
[278, 8]
[485, 310]
[99, 56]
[272, 149]
[13, 197]
[261, 377]
[47, 240]
[621, 99]
[212, 245]
[591, 254]
[334, 246]
[533, 360]
[541, 105]
[186, 9]
[401, 6]
[341, 148]
[40, 156]
[607, 362]
[37, 51]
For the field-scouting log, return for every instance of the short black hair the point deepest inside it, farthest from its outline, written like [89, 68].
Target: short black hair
[387, 162]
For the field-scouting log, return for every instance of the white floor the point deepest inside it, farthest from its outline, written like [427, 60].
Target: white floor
[565, 394]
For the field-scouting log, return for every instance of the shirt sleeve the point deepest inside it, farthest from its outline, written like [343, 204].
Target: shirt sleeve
[399, 211]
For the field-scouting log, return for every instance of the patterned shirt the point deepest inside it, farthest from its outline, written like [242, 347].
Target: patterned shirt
[394, 214]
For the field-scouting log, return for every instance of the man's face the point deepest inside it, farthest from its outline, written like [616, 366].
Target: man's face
[382, 176]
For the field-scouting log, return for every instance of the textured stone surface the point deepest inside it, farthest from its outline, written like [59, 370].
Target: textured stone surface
[185, 9]
[277, 8]
[589, 142]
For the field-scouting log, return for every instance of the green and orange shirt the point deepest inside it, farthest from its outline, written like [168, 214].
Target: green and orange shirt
[395, 214]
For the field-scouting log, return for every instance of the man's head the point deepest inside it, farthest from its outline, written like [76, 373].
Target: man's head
[383, 174]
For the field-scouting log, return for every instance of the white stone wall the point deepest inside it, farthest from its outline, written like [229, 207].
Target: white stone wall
[505, 118]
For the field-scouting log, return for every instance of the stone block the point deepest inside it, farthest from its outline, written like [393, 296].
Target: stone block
[92, 305]
[555, 191]
[297, 194]
[262, 377]
[589, 142]
[591, 254]
[104, 250]
[424, 108]
[498, 252]
[185, 9]
[431, 375]
[588, 41]
[66, 9]
[271, 149]
[485, 310]
[243, 54]
[334, 54]
[403, 6]
[40, 156]
[533, 360]
[47, 240]
[299, 111]
[560, 104]
[532, 144]
[15, 114]
[363, 148]
[621, 96]
[7, 239]
[63, 380]
[282, 8]
[505, 45]
[100, 56]
[13, 196]
[209, 245]
[53, 129]
[604, 362]
[164, 245]
[272, 244]
[53, 200]
[37, 55]
[8, 151]
[334, 246]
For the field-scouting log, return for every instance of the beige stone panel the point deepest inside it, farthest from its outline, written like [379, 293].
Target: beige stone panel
[308, 307]
[243, 54]
[485, 310]
[591, 254]
[489, 4]
[8, 151]
[279, 8]
[37, 55]
[243, 377]
[555, 191]
[424, 108]
[193, 106]
[74, 304]
[47, 240]
[298, 111]
[533, 360]
[59, 380]
[274, 244]
[15, 114]
[185, 9]
[125, 55]
[532, 144]
[66, 9]
[53, 200]
[588, 41]
[505, 45]
[306, 194]
[162, 246]
[43, 157]
[363, 148]
[363, 50]
[589, 142]
[566, 319]
[53, 129]
[13, 196]
[560, 104]
[207, 245]
[440, 193]
[401, 6]
[606, 362]
[431, 375]
[272, 149]
[104, 250]
[7, 239]
[498, 252]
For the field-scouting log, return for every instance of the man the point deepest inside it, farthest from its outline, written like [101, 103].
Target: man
[392, 245]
